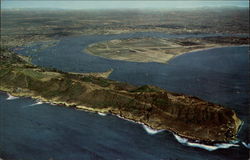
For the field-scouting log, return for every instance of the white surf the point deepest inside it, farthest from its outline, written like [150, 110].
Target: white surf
[204, 146]
[150, 130]
[37, 103]
[102, 114]
[10, 97]
[246, 145]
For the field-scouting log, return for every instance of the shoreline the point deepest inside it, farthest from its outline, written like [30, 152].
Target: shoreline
[86, 50]
[144, 104]
[209, 48]
[184, 140]
[107, 111]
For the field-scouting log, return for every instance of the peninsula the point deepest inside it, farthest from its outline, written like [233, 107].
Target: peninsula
[159, 50]
[186, 116]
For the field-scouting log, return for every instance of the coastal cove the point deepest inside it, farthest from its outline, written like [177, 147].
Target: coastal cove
[185, 74]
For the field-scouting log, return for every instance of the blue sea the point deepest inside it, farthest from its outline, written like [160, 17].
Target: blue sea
[32, 130]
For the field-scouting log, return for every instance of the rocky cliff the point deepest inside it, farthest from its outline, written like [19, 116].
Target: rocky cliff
[187, 116]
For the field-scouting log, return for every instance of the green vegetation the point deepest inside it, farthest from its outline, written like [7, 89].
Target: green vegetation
[97, 80]
[147, 88]
[186, 116]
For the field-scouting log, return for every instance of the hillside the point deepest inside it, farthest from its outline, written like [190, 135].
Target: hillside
[185, 115]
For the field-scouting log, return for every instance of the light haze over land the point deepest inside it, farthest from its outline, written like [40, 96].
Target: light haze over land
[9, 4]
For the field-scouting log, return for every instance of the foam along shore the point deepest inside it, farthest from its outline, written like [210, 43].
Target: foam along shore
[150, 130]
[246, 145]
[101, 114]
[37, 103]
[185, 141]
[10, 97]
[216, 146]
[157, 108]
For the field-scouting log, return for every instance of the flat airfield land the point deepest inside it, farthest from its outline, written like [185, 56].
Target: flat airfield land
[158, 49]
[23, 27]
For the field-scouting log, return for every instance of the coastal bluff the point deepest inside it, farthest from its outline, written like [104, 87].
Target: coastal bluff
[184, 115]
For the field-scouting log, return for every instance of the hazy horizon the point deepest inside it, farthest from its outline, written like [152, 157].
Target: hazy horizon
[9, 4]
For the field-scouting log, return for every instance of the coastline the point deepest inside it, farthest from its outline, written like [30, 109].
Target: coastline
[210, 77]
[86, 50]
[96, 74]
[184, 140]
[209, 48]
[113, 112]
[149, 105]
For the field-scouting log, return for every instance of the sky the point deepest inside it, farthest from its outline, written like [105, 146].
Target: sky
[102, 4]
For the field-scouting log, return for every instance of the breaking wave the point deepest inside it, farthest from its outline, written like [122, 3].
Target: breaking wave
[10, 97]
[35, 104]
[246, 145]
[150, 130]
[102, 114]
[204, 146]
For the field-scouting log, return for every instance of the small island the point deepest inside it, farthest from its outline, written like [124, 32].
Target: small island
[157, 108]
[158, 49]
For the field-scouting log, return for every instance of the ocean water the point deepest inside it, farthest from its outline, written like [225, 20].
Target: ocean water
[32, 130]
[44, 132]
